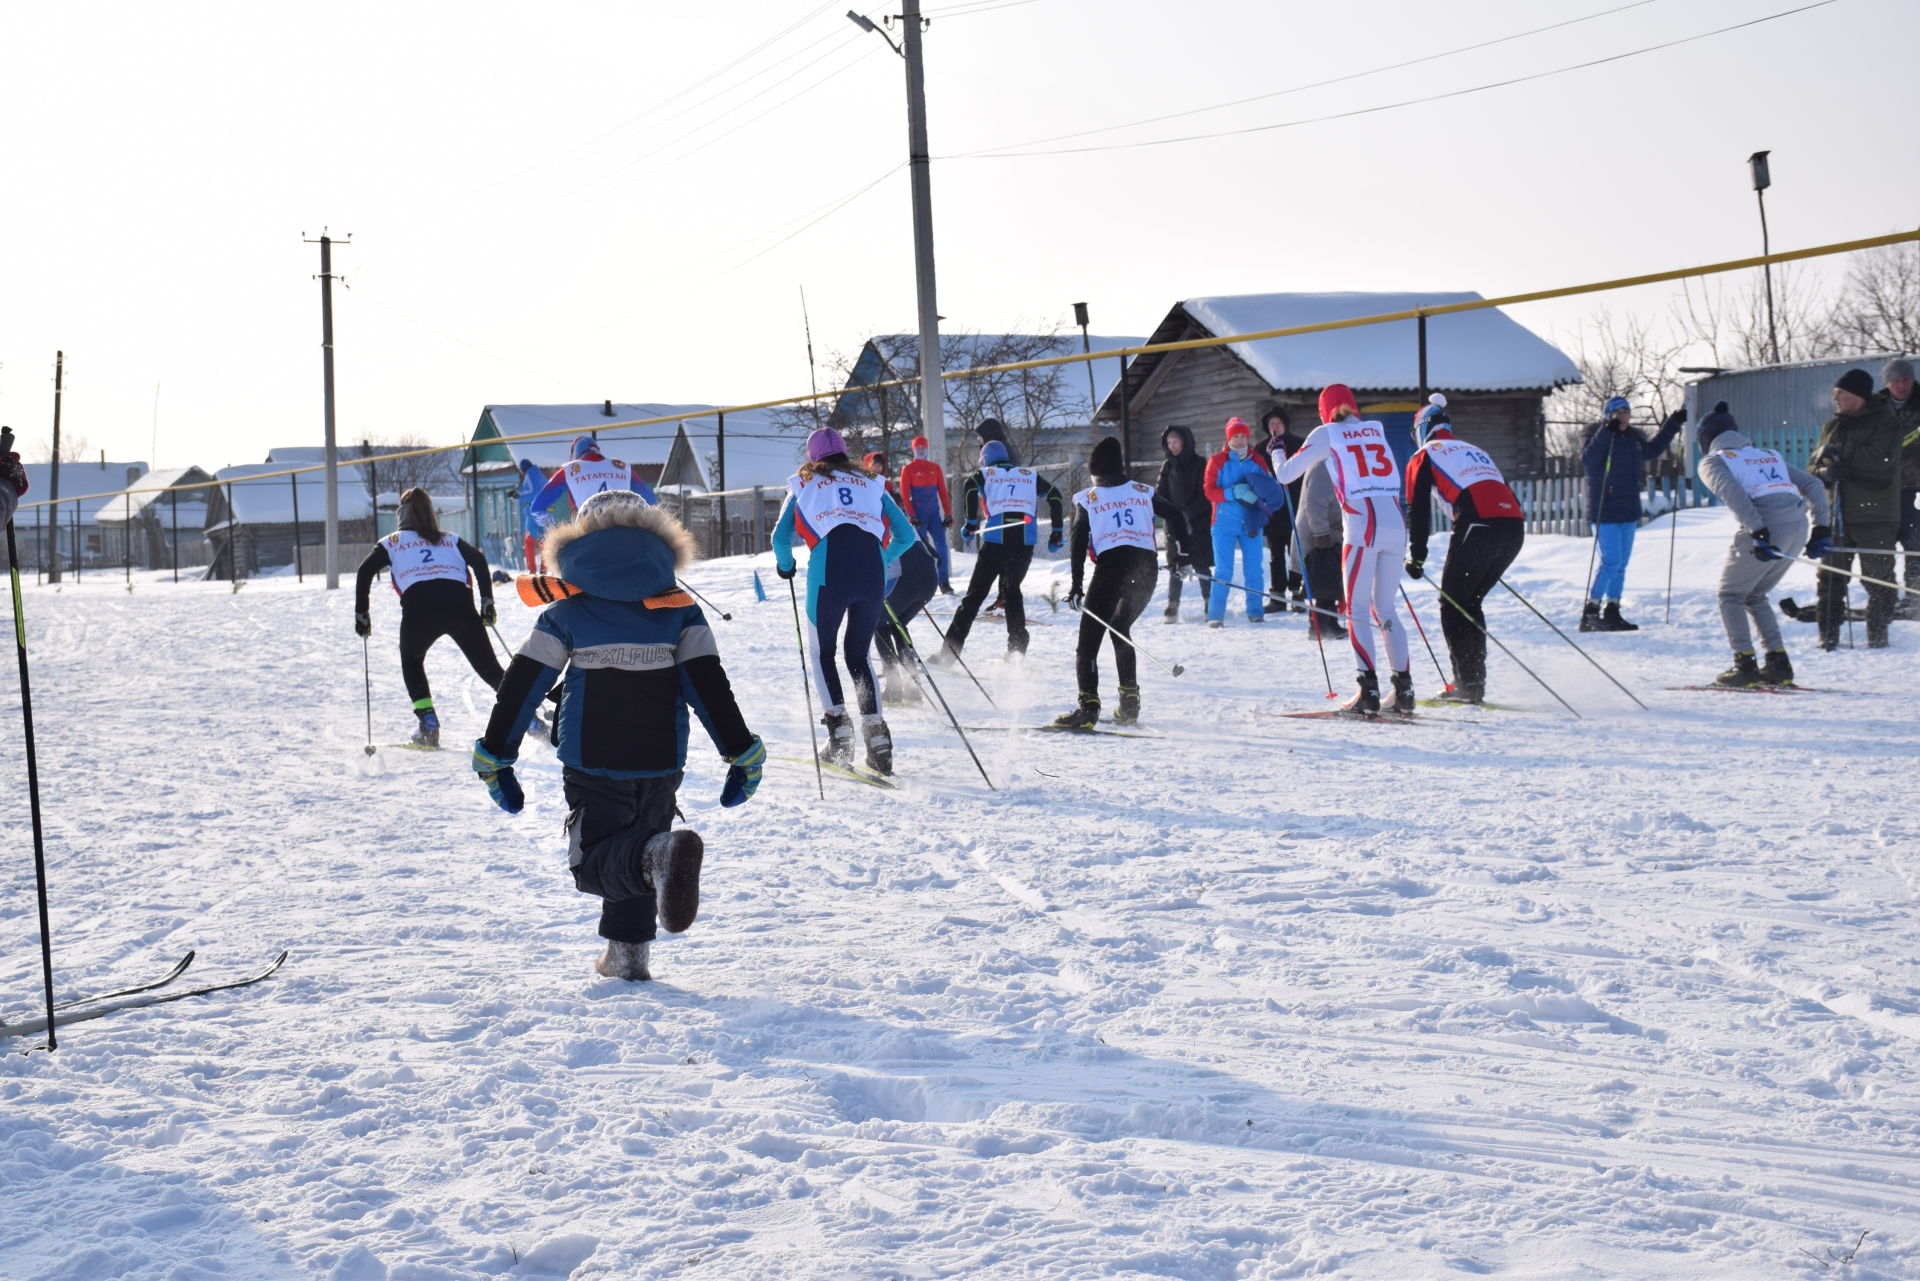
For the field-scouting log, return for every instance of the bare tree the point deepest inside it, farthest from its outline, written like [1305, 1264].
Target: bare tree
[1733, 325]
[74, 448]
[1617, 356]
[437, 473]
[1878, 307]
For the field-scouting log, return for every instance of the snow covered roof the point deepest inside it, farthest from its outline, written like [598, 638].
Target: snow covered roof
[76, 479]
[889, 356]
[1482, 350]
[758, 451]
[296, 454]
[147, 492]
[269, 500]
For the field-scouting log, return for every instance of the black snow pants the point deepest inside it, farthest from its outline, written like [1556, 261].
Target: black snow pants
[1123, 580]
[1279, 547]
[919, 579]
[609, 822]
[429, 611]
[1477, 556]
[1007, 564]
[1832, 588]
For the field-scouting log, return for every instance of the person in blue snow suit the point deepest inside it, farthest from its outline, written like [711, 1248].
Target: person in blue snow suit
[588, 473]
[637, 654]
[532, 481]
[1615, 459]
[1244, 494]
[855, 530]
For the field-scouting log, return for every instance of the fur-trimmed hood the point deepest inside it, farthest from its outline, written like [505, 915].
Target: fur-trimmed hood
[619, 551]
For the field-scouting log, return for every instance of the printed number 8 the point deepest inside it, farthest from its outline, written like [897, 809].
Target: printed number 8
[846, 496]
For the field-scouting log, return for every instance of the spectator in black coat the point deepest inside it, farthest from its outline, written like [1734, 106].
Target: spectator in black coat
[1277, 442]
[1183, 479]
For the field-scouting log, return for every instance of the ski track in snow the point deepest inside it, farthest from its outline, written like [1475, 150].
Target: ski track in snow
[1518, 996]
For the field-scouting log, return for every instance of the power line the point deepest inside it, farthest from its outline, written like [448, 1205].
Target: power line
[835, 208]
[1320, 84]
[1003, 154]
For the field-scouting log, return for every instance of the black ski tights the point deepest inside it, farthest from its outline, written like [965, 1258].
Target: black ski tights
[1123, 580]
[424, 620]
[1477, 556]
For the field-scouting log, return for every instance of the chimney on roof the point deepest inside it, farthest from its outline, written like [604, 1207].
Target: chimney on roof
[606, 409]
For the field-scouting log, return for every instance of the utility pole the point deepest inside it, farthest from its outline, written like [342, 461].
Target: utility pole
[53, 481]
[1762, 179]
[326, 368]
[932, 404]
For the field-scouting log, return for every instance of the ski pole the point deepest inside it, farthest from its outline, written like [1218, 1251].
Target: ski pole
[1825, 568]
[928, 615]
[806, 686]
[33, 762]
[927, 676]
[1503, 649]
[1569, 640]
[1242, 587]
[1175, 670]
[704, 601]
[504, 647]
[1423, 636]
[366, 673]
[1306, 580]
[1673, 537]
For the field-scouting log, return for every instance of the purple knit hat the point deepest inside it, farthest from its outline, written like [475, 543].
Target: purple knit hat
[824, 443]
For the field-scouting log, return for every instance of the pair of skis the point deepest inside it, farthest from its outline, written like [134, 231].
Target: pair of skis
[82, 1008]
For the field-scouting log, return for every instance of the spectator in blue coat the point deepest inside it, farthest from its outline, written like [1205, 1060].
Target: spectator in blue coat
[1615, 459]
[1238, 481]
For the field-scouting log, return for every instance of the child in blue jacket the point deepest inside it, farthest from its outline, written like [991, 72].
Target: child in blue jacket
[636, 653]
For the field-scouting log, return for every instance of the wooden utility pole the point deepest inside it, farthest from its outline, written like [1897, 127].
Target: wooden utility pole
[326, 373]
[53, 481]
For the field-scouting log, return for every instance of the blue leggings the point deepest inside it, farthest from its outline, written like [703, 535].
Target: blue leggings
[846, 581]
[1616, 549]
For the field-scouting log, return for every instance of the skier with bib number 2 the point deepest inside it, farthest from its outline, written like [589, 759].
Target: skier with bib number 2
[1366, 481]
[433, 574]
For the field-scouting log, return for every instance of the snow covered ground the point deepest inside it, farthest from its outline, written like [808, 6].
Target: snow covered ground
[1507, 994]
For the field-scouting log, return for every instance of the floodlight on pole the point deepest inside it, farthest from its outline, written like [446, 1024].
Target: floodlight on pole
[932, 420]
[1762, 177]
[1080, 318]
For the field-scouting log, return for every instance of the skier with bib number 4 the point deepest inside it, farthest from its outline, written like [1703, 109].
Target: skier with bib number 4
[589, 472]
[1770, 500]
[1366, 481]
[1113, 527]
[855, 531]
[633, 653]
[433, 574]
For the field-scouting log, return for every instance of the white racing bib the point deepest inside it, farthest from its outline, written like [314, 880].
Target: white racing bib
[589, 476]
[1362, 464]
[1009, 491]
[1118, 516]
[1465, 465]
[1761, 472]
[827, 501]
[415, 560]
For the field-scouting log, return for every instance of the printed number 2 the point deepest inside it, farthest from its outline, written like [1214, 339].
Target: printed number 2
[846, 496]
[1371, 459]
[426, 555]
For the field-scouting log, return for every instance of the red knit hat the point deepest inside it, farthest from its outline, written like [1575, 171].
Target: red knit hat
[1336, 395]
[1238, 427]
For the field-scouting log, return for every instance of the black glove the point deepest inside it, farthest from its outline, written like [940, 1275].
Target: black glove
[1676, 419]
[1763, 548]
[1820, 545]
[488, 614]
[1417, 568]
[786, 572]
[362, 625]
[1074, 597]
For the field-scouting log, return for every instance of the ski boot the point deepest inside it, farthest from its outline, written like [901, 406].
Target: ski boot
[670, 862]
[623, 961]
[1908, 610]
[1128, 712]
[1403, 701]
[1256, 618]
[839, 748]
[945, 590]
[1590, 617]
[1778, 669]
[1215, 623]
[1171, 614]
[1367, 701]
[1474, 692]
[1744, 672]
[879, 740]
[1610, 620]
[1085, 716]
[897, 690]
[428, 733]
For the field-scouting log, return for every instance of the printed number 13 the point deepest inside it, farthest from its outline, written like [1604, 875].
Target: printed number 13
[1371, 459]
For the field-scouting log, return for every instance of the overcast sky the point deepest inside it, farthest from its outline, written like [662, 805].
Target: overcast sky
[575, 201]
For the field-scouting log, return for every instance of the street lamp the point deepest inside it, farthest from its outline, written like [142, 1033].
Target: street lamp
[932, 420]
[1086, 347]
[1762, 179]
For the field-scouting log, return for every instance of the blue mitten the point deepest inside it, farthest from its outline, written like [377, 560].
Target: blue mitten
[743, 775]
[1244, 492]
[497, 774]
[1054, 540]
